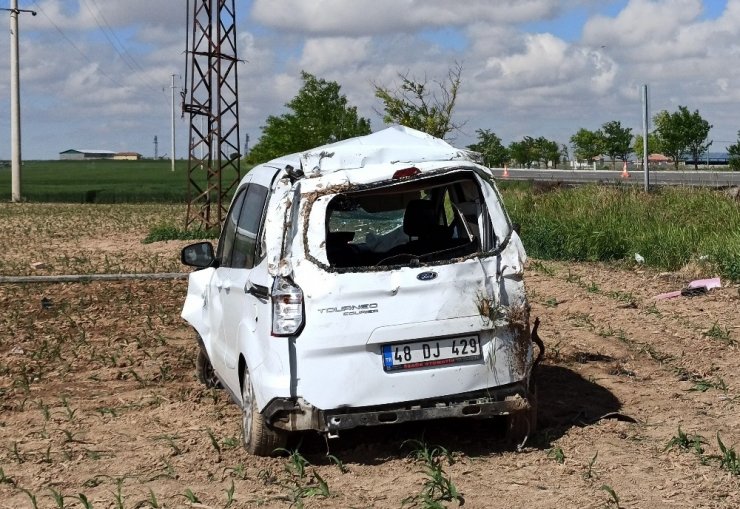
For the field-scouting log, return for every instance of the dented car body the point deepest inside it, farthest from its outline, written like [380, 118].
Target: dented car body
[372, 281]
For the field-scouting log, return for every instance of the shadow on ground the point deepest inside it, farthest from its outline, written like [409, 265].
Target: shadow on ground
[566, 399]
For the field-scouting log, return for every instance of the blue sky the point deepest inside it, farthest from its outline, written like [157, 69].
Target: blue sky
[535, 67]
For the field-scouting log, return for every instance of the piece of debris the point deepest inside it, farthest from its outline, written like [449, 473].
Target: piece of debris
[694, 288]
[38, 265]
[46, 303]
[639, 258]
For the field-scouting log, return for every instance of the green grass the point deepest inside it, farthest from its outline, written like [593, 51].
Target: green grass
[101, 181]
[669, 228]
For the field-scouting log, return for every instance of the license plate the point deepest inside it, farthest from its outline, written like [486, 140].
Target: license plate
[436, 352]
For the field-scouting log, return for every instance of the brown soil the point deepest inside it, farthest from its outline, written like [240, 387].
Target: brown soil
[99, 397]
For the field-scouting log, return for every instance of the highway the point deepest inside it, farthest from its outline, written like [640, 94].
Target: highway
[661, 177]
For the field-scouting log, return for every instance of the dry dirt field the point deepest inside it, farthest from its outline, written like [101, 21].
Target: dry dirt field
[100, 406]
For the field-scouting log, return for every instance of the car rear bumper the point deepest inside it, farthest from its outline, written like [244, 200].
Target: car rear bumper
[298, 415]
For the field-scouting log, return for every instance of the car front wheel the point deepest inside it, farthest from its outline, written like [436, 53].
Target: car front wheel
[258, 437]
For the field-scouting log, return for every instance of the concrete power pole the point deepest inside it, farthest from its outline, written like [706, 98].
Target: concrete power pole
[173, 121]
[15, 102]
[645, 134]
[156, 148]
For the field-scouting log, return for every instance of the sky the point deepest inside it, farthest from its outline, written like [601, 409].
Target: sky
[96, 74]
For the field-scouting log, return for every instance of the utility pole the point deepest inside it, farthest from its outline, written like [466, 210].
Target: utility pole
[15, 102]
[246, 145]
[173, 122]
[156, 148]
[645, 151]
[212, 97]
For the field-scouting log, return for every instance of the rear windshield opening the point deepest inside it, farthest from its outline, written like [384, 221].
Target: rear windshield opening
[426, 220]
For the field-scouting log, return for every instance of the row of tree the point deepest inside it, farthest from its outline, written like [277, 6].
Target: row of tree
[320, 114]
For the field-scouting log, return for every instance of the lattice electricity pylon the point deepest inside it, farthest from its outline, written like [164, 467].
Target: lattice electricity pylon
[213, 106]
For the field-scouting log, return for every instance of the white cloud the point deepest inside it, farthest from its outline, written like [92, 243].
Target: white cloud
[368, 17]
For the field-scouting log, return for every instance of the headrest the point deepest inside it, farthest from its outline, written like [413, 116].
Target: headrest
[419, 218]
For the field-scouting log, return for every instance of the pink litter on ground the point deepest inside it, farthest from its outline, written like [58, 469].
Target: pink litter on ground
[709, 283]
[698, 283]
[668, 295]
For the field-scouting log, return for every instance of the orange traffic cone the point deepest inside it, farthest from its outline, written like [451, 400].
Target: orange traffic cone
[625, 173]
[506, 171]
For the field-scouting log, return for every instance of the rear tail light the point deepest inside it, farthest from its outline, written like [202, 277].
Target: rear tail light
[406, 173]
[287, 307]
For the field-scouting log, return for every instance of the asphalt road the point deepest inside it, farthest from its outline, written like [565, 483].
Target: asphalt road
[675, 178]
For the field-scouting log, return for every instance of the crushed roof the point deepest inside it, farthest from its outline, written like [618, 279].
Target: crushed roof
[397, 144]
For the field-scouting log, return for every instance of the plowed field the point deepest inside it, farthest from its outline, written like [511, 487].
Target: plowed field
[100, 406]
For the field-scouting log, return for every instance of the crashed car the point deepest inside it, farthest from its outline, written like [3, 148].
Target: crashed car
[373, 281]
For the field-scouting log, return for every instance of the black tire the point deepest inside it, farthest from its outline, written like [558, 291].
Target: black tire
[204, 371]
[522, 425]
[258, 437]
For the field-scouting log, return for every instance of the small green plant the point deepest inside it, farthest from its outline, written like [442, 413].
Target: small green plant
[32, 497]
[152, 500]
[340, 465]
[86, 504]
[592, 287]
[296, 464]
[438, 487]
[192, 498]
[229, 495]
[551, 302]
[58, 498]
[538, 266]
[686, 442]
[4, 479]
[589, 473]
[613, 498]
[557, 454]
[716, 331]
[729, 460]
[214, 441]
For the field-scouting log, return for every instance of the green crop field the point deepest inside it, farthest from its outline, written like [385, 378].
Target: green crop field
[101, 181]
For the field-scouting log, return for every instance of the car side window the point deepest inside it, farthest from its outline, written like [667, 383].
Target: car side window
[247, 228]
[226, 242]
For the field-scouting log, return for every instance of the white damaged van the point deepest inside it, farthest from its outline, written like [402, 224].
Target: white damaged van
[372, 281]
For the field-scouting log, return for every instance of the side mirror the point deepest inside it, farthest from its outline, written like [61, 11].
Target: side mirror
[198, 255]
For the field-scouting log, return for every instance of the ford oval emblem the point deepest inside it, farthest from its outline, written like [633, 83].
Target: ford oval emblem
[426, 276]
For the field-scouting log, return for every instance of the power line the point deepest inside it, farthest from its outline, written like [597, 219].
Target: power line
[71, 43]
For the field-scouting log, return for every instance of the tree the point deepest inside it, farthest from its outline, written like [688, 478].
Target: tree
[616, 141]
[318, 114]
[490, 147]
[523, 152]
[414, 105]
[734, 151]
[587, 144]
[653, 145]
[546, 152]
[682, 133]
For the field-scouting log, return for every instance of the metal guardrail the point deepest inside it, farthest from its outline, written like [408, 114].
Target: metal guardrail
[673, 178]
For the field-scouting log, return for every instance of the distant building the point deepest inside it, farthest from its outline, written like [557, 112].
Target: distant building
[78, 154]
[127, 156]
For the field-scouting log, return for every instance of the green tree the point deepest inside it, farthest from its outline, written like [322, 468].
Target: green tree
[490, 147]
[414, 104]
[587, 144]
[318, 114]
[523, 152]
[682, 133]
[734, 151]
[653, 145]
[546, 152]
[616, 141]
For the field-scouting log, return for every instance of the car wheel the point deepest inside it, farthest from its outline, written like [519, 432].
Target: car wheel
[522, 425]
[258, 437]
[204, 371]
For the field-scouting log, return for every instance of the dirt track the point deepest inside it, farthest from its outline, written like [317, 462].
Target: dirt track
[98, 397]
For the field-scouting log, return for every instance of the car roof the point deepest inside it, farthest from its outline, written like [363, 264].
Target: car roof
[396, 144]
